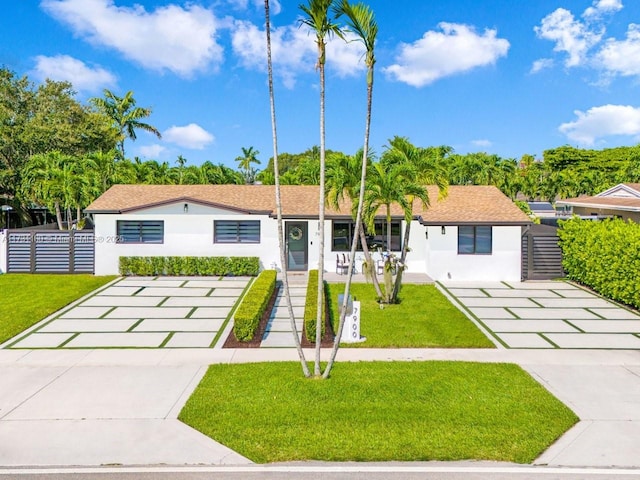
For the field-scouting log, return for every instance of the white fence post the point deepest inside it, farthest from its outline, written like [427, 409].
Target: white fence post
[3, 250]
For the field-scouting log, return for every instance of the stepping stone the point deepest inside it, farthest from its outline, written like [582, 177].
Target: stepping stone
[102, 340]
[43, 340]
[149, 312]
[483, 313]
[521, 326]
[119, 291]
[173, 292]
[190, 340]
[211, 312]
[608, 326]
[179, 325]
[468, 292]
[200, 302]
[595, 340]
[91, 325]
[86, 312]
[554, 313]
[109, 301]
[524, 340]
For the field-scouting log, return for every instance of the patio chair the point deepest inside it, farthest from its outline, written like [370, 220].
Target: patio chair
[342, 265]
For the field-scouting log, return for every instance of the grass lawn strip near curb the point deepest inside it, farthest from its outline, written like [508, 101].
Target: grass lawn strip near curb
[378, 411]
[425, 318]
[27, 298]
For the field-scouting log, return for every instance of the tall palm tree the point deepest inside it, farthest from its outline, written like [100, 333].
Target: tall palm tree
[317, 18]
[249, 156]
[360, 21]
[125, 115]
[426, 167]
[278, 199]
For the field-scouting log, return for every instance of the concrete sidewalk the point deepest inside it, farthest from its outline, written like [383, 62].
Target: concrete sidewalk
[105, 407]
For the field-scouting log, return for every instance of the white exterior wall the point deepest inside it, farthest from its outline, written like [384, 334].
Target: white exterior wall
[415, 258]
[504, 263]
[3, 251]
[185, 234]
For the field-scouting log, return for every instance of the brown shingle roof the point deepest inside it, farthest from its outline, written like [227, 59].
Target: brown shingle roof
[464, 204]
[621, 203]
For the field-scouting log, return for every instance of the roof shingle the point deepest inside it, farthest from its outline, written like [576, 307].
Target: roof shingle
[463, 204]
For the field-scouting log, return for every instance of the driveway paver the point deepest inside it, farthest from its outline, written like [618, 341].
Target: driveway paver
[142, 312]
[552, 314]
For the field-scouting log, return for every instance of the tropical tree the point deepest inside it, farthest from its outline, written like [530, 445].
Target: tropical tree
[360, 21]
[249, 156]
[278, 197]
[317, 18]
[125, 115]
[59, 182]
[425, 168]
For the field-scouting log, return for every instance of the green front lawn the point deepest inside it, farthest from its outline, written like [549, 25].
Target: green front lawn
[26, 299]
[378, 411]
[424, 318]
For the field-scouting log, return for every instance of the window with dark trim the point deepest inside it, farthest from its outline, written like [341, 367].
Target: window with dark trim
[136, 231]
[232, 231]
[342, 232]
[475, 240]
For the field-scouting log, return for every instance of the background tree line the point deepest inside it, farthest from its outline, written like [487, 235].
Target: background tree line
[57, 153]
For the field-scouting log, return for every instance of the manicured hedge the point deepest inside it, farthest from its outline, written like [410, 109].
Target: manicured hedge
[174, 266]
[311, 307]
[254, 304]
[604, 256]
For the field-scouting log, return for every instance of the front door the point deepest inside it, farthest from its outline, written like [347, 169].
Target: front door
[297, 245]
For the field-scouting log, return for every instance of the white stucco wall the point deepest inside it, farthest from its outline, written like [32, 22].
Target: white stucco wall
[3, 251]
[504, 263]
[185, 234]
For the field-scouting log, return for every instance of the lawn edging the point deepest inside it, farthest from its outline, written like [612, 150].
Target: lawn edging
[478, 323]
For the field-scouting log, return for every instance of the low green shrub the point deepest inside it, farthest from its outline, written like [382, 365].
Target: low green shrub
[175, 266]
[311, 307]
[254, 304]
[604, 256]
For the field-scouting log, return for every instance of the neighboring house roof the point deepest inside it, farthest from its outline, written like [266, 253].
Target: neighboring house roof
[624, 196]
[464, 204]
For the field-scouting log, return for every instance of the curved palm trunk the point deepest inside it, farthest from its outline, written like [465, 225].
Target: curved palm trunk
[401, 265]
[285, 278]
[354, 242]
[321, 200]
[367, 257]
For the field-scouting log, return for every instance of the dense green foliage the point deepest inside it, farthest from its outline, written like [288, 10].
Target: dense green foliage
[378, 411]
[311, 307]
[604, 256]
[27, 298]
[424, 318]
[176, 266]
[254, 304]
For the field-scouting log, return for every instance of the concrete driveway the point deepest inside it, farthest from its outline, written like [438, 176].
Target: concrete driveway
[142, 312]
[546, 315]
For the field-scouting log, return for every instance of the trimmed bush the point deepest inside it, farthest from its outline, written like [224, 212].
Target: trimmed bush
[604, 256]
[189, 266]
[253, 305]
[311, 307]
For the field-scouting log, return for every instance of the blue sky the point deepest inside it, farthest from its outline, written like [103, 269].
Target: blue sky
[499, 76]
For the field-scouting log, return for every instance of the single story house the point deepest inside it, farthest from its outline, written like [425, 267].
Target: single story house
[472, 234]
[621, 201]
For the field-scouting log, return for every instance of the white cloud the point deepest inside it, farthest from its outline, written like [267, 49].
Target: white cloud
[576, 37]
[274, 5]
[603, 121]
[602, 7]
[483, 143]
[621, 57]
[571, 36]
[178, 39]
[541, 64]
[191, 136]
[458, 48]
[65, 68]
[293, 51]
[151, 151]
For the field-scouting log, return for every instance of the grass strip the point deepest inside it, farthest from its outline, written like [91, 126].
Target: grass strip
[27, 298]
[378, 411]
[424, 318]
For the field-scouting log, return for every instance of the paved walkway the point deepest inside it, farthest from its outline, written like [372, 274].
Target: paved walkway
[547, 315]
